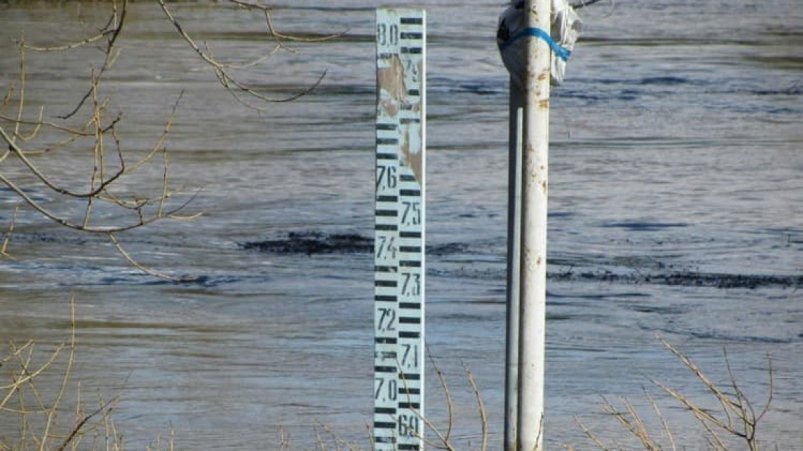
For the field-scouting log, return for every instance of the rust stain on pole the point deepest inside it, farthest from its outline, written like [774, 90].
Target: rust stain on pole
[391, 80]
[411, 158]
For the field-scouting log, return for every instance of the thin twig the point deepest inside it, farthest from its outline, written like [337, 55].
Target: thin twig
[110, 54]
[162, 138]
[225, 78]
[480, 406]
[631, 422]
[46, 180]
[138, 265]
[13, 387]
[733, 406]
[64, 380]
[770, 390]
[591, 436]
[267, 10]
[447, 394]
[665, 426]
[143, 221]
[43, 123]
[74, 45]
[9, 233]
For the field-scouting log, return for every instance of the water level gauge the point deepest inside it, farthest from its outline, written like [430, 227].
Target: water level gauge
[399, 230]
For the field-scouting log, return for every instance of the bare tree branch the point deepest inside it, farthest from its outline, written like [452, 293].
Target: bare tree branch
[226, 79]
[21, 142]
[116, 25]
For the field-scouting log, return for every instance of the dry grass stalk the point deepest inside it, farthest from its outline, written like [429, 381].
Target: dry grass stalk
[590, 435]
[328, 440]
[444, 438]
[284, 440]
[631, 421]
[480, 407]
[667, 432]
[8, 234]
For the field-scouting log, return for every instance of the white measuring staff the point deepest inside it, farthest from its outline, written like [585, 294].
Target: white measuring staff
[399, 230]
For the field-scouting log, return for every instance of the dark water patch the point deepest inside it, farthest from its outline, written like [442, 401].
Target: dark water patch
[467, 271]
[718, 336]
[782, 32]
[316, 242]
[319, 242]
[90, 324]
[250, 36]
[560, 317]
[478, 88]
[730, 280]
[628, 95]
[788, 111]
[313, 242]
[597, 81]
[660, 42]
[561, 214]
[347, 89]
[786, 231]
[778, 62]
[446, 85]
[663, 310]
[206, 281]
[790, 91]
[9, 196]
[324, 8]
[186, 280]
[738, 339]
[596, 296]
[639, 226]
[765, 109]
[447, 249]
[684, 278]
[463, 317]
[587, 96]
[69, 237]
[664, 81]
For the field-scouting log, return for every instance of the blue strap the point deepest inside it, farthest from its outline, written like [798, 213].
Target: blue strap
[562, 53]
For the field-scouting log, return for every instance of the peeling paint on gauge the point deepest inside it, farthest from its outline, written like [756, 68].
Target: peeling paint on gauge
[399, 230]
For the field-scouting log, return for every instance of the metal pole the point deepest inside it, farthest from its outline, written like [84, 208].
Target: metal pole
[513, 260]
[532, 337]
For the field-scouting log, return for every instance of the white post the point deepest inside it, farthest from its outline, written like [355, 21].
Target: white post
[513, 271]
[532, 337]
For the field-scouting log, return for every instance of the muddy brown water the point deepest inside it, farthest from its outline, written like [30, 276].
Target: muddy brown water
[676, 208]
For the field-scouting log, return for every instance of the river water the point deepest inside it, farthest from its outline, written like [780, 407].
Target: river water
[676, 208]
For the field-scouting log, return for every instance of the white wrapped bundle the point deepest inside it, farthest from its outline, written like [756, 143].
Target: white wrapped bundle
[566, 28]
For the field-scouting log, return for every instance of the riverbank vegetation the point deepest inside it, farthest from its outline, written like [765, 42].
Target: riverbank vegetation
[36, 385]
[48, 408]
